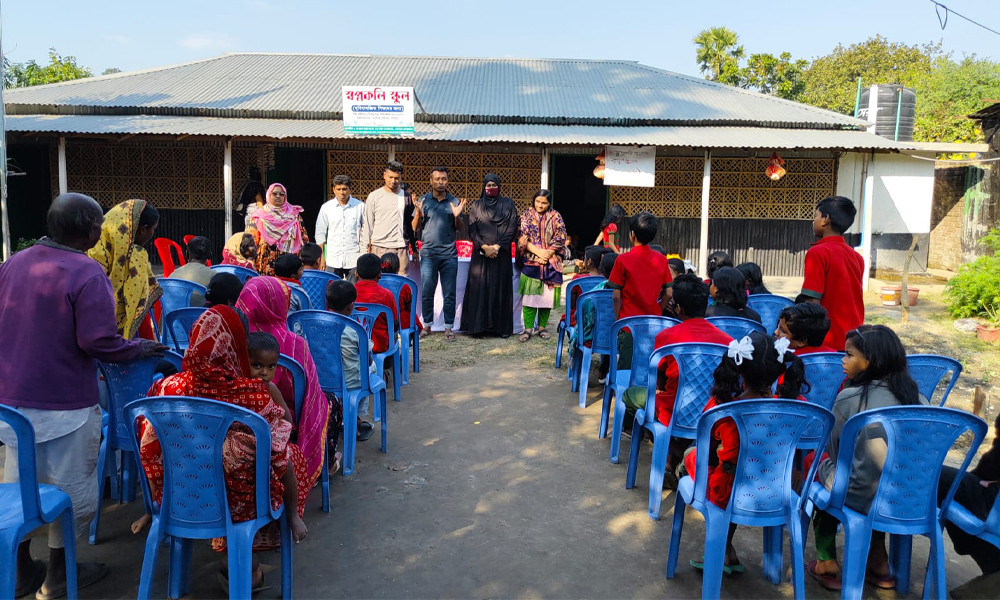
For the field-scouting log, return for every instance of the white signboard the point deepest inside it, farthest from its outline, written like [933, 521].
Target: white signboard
[373, 110]
[630, 165]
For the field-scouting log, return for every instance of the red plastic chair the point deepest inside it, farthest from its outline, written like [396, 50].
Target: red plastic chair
[187, 239]
[163, 247]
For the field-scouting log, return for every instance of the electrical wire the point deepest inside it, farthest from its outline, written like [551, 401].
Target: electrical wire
[943, 20]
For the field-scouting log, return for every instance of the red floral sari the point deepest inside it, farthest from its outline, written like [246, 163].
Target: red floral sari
[217, 366]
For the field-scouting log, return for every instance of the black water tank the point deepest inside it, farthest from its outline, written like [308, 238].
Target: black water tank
[887, 102]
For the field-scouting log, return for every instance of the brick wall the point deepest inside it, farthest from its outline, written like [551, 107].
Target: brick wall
[945, 250]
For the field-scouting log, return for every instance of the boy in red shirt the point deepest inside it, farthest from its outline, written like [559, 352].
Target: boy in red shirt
[834, 271]
[368, 272]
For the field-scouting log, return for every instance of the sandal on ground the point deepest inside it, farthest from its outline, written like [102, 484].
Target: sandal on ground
[736, 569]
[524, 337]
[425, 333]
[86, 574]
[827, 580]
[882, 582]
[449, 335]
[542, 333]
[34, 582]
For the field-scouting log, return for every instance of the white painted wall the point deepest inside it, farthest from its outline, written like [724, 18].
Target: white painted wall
[903, 194]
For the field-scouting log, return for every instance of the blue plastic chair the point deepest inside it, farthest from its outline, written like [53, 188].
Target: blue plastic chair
[601, 344]
[177, 293]
[242, 272]
[367, 313]
[305, 302]
[988, 530]
[126, 382]
[576, 286]
[314, 283]
[906, 504]
[763, 494]
[696, 364]
[769, 307]
[644, 330]
[738, 327]
[407, 331]
[27, 505]
[194, 504]
[929, 369]
[298, 375]
[825, 374]
[177, 325]
[322, 331]
[174, 358]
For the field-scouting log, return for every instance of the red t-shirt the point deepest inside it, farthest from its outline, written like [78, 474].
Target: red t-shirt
[834, 273]
[802, 351]
[640, 275]
[692, 330]
[607, 231]
[372, 293]
[405, 297]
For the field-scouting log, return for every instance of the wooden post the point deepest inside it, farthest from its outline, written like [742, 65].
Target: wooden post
[978, 400]
[904, 293]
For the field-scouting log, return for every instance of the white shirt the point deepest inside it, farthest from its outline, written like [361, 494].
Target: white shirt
[338, 226]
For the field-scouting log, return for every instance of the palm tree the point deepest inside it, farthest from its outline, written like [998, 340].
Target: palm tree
[716, 47]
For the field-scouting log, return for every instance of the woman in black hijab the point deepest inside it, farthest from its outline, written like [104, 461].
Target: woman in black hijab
[489, 291]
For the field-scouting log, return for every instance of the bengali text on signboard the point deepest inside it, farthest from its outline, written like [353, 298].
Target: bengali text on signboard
[374, 110]
[633, 166]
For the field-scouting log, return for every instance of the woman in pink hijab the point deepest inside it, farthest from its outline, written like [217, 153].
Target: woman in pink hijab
[277, 228]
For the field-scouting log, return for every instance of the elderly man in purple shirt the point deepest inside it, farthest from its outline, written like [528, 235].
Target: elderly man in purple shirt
[57, 314]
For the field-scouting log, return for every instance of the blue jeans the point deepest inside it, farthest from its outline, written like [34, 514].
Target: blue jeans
[430, 267]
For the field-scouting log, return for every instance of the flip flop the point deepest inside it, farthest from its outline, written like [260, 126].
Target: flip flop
[86, 574]
[830, 582]
[37, 579]
[736, 569]
[542, 333]
[424, 334]
[449, 336]
[524, 337]
[882, 582]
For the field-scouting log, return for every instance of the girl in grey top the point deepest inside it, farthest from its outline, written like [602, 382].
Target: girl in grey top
[875, 366]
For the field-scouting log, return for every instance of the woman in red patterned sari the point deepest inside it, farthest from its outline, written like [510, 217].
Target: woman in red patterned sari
[216, 366]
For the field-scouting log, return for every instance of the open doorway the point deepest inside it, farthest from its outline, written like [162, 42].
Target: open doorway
[580, 197]
[303, 173]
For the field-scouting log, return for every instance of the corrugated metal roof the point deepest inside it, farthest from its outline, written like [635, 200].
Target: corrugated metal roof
[500, 90]
[691, 136]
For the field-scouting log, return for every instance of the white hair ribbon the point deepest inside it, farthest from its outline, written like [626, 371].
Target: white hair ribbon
[740, 350]
[781, 345]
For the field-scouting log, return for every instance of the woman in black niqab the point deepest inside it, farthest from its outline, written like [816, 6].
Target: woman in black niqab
[494, 225]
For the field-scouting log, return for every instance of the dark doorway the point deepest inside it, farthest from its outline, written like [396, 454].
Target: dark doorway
[580, 197]
[29, 190]
[303, 173]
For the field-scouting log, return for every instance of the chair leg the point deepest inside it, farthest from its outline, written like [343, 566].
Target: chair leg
[900, 552]
[286, 557]
[69, 542]
[675, 535]
[383, 395]
[240, 560]
[716, 531]
[377, 409]
[602, 427]
[416, 352]
[583, 376]
[350, 432]
[397, 378]
[798, 526]
[179, 574]
[935, 580]
[633, 454]
[325, 478]
[657, 467]
[129, 476]
[857, 541]
[773, 553]
[616, 429]
[560, 332]
[102, 472]
[153, 540]
[404, 355]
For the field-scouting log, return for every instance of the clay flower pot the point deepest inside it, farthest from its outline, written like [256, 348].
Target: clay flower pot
[988, 332]
[891, 295]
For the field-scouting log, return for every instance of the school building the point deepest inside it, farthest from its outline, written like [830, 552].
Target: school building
[184, 136]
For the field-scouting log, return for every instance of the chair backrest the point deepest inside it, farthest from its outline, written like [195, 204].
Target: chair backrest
[126, 382]
[177, 326]
[929, 369]
[175, 359]
[163, 248]
[917, 440]
[191, 432]
[770, 430]
[737, 327]
[574, 288]
[644, 330]
[242, 272]
[395, 284]
[27, 475]
[314, 283]
[298, 375]
[825, 374]
[604, 307]
[696, 364]
[367, 313]
[323, 330]
[304, 302]
[769, 307]
[177, 293]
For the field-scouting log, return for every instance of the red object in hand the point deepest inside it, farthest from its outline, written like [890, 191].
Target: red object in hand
[775, 167]
[464, 248]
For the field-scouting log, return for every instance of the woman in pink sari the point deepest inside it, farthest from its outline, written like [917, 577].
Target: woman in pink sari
[277, 228]
[265, 301]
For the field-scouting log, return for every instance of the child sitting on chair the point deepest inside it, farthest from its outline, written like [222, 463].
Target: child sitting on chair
[804, 326]
[340, 298]
[748, 370]
[390, 265]
[311, 255]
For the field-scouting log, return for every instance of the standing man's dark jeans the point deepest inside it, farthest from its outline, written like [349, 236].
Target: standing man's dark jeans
[979, 501]
[430, 267]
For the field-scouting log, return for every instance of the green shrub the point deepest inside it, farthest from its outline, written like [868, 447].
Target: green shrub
[23, 243]
[975, 291]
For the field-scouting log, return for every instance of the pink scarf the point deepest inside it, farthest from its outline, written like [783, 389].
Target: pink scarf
[265, 301]
[279, 227]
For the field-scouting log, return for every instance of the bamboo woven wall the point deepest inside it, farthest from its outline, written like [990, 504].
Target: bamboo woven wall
[739, 189]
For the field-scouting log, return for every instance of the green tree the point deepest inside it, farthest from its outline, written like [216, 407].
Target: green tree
[948, 93]
[111, 70]
[774, 75]
[60, 68]
[718, 52]
[831, 81]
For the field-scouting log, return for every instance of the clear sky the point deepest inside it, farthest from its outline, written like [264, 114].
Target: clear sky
[137, 34]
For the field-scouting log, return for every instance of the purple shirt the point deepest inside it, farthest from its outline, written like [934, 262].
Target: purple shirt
[57, 314]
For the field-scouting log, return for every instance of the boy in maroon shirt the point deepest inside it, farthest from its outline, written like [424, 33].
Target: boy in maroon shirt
[834, 271]
[368, 273]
